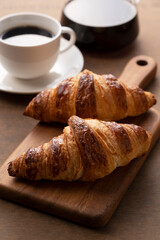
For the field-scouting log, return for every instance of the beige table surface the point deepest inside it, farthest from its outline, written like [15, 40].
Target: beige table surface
[138, 215]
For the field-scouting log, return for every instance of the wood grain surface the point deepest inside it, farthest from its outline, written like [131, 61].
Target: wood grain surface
[91, 204]
[139, 71]
[137, 216]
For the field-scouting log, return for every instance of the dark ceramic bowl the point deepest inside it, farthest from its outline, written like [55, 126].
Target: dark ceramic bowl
[117, 33]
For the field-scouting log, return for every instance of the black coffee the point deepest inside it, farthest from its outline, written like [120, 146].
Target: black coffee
[102, 24]
[101, 13]
[27, 36]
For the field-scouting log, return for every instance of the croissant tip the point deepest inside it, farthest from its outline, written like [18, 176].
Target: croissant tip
[26, 112]
[12, 172]
[74, 117]
[154, 100]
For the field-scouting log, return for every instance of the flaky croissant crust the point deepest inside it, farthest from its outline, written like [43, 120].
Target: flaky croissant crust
[89, 95]
[87, 150]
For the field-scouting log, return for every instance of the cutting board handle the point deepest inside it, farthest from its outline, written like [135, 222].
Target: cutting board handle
[139, 71]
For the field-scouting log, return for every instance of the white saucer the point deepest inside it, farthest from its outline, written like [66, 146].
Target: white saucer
[68, 64]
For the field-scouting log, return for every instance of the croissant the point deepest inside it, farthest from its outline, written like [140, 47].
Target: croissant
[87, 150]
[89, 95]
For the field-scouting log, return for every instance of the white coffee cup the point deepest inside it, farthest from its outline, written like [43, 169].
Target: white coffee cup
[32, 61]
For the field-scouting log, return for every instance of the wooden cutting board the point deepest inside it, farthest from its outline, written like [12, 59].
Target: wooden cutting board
[90, 204]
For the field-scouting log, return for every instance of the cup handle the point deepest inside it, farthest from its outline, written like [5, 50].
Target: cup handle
[71, 41]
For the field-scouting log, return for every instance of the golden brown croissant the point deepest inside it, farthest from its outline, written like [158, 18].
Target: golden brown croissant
[87, 150]
[89, 95]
